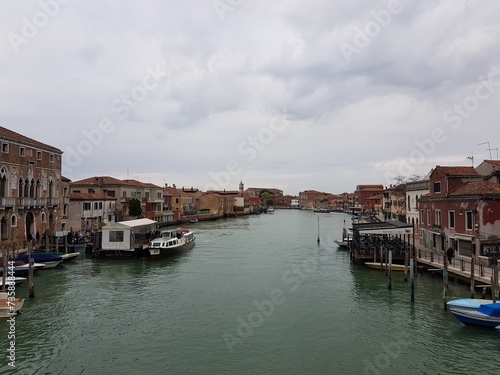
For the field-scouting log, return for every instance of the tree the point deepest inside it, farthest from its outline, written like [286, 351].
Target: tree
[267, 197]
[135, 207]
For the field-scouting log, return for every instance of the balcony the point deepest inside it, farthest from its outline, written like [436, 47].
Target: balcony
[7, 203]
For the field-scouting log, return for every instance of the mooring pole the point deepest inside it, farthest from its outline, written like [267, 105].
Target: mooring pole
[412, 281]
[31, 286]
[445, 281]
[4, 274]
[390, 270]
[318, 229]
[472, 278]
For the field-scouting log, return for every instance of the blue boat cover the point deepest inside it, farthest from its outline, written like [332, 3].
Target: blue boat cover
[490, 309]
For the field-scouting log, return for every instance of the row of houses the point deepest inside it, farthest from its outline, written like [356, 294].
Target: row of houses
[37, 201]
[454, 207]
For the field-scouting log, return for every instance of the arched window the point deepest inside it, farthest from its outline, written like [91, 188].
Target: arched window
[13, 221]
[3, 183]
[37, 189]
[51, 187]
[32, 188]
[26, 188]
[20, 188]
[43, 218]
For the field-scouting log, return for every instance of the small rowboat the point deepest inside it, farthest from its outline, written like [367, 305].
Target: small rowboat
[378, 266]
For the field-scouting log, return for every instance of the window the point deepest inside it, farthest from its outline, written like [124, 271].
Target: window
[5, 147]
[437, 218]
[86, 206]
[451, 219]
[95, 205]
[39, 155]
[422, 221]
[116, 236]
[22, 151]
[13, 221]
[428, 217]
[100, 205]
[51, 158]
[437, 187]
[468, 220]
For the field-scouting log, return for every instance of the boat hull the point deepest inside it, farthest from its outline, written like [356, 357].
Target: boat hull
[156, 253]
[378, 266]
[475, 318]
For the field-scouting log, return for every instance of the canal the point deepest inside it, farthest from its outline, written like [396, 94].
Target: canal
[256, 295]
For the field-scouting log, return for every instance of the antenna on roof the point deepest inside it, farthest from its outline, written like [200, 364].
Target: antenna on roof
[489, 149]
[494, 149]
[471, 158]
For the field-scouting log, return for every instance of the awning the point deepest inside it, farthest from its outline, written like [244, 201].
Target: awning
[384, 227]
[462, 237]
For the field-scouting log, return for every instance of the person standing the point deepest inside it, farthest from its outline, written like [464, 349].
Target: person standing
[450, 253]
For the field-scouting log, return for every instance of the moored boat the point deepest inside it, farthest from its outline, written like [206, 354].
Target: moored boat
[487, 315]
[171, 242]
[21, 268]
[48, 259]
[469, 304]
[12, 280]
[383, 266]
[9, 305]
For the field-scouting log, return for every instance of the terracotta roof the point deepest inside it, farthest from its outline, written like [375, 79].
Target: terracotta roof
[136, 183]
[99, 180]
[12, 136]
[494, 162]
[457, 171]
[477, 188]
[90, 197]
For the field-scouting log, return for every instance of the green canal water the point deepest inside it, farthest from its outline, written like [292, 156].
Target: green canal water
[257, 295]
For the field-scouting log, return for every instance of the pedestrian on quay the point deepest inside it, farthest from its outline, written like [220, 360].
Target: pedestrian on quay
[450, 253]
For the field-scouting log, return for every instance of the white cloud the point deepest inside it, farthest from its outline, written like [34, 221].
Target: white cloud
[349, 122]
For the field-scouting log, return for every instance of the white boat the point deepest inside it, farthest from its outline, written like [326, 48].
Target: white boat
[10, 306]
[488, 314]
[383, 266]
[12, 281]
[171, 242]
[270, 210]
[469, 304]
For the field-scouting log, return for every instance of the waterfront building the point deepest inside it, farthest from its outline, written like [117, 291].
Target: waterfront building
[461, 211]
[363, 192]
[32, 189]
[90, 211]
[415, 190]
[150, 197]
[394, 203]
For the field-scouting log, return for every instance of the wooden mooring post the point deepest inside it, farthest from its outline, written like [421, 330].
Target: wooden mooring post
[472, 278]
[31, 285]
[445, 282]
[4, 274]
[389, 286]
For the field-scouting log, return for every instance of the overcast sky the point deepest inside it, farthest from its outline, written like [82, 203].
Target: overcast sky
[294, 95]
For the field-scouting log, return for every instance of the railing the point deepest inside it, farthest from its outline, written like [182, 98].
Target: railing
[457, 264]
[7, 202]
